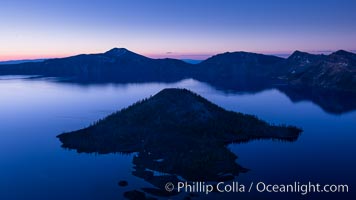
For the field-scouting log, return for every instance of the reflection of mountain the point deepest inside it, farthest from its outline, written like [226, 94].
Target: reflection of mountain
[178, 133]
[331, 101]
[335, 102]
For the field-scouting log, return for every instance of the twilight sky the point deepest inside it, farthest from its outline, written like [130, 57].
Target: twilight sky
[174, 28]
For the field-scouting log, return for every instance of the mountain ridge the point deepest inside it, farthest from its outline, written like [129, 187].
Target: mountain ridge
[230, 69]
[336, 71]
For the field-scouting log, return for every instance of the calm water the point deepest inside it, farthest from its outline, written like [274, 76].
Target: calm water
[34, 166]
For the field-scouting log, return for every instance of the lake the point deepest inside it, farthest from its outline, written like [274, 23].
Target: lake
[34, 166]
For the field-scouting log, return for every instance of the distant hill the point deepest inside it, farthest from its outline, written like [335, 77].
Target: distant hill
[234, 70]
[171, 114]
[243, 65]
[239, 70]
[10, 62]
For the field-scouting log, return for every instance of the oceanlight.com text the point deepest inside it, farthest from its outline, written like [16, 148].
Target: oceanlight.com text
[261, 187]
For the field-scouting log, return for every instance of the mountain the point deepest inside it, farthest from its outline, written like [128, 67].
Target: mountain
[299, 61]
[167, 116]
[233, 71]
[336, 71]
[116, 65]
[242, 65]
[240, 70]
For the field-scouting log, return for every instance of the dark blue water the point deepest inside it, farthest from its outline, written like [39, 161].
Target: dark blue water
[34, 166]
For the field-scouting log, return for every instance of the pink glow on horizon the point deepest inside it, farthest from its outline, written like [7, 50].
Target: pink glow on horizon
[31, 57]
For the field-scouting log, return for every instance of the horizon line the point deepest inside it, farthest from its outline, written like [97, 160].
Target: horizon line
[172, 55]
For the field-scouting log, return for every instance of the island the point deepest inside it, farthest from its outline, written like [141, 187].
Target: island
[179, 134]
[170, 114]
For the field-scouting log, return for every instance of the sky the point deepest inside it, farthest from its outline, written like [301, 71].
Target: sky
[194, 29]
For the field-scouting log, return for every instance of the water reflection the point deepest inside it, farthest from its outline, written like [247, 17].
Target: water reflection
[333, 102]
[29, 126]
[180, 158]
[184, 159]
